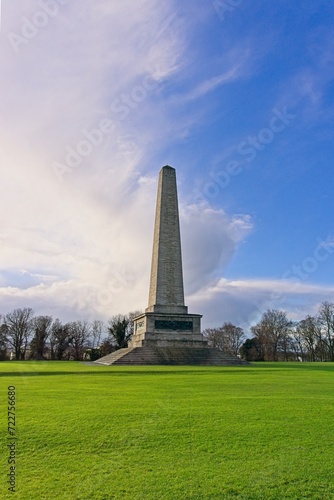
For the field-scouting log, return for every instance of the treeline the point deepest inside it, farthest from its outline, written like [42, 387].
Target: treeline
[274, 338]
[277, 338]
[26, 336]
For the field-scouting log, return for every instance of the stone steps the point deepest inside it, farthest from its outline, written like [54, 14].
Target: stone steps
[148, 355]
[111, 358]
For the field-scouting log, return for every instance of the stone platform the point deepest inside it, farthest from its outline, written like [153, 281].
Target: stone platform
[155, 355]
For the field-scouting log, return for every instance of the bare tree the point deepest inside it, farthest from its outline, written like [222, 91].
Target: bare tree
[60, 339]
[3, 339]
[308, 332]
[228, 338]
[236, 336]
[18, 325]
[42, 330]
[79, 335]
[273, 332]
[326, 320]
[215, 338]
[298, 343]
[96, 333]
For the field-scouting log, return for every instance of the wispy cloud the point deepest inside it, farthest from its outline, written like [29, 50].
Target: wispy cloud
[210, 85]
[306, 89]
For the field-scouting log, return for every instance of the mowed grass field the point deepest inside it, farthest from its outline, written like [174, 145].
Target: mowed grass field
[264, 431]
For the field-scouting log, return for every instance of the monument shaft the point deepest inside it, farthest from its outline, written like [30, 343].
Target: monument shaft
[166, 284]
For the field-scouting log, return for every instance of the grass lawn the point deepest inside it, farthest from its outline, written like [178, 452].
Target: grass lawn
[87, 432]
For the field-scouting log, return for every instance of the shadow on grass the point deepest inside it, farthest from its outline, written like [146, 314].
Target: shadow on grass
[316, 366]
[110, 371]
[326, 366]
[158, 370]
[109, 374]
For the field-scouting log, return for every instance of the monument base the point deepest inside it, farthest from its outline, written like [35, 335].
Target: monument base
[167, 330]
[169, 339]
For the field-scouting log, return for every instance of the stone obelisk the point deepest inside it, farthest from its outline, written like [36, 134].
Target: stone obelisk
[165, 334]
[166, 321]
[166, 285]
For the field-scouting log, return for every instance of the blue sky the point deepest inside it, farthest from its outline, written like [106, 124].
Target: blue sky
[236, 95]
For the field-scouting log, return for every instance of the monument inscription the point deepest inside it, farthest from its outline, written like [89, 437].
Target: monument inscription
[161, 324]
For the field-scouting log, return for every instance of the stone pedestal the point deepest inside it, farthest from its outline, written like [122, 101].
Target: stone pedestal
[167, 330]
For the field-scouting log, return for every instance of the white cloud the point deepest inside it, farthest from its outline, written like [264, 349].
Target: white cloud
[210, 238]
[244, 301]
[90, 230]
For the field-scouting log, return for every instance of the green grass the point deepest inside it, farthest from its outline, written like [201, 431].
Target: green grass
[176, 433]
